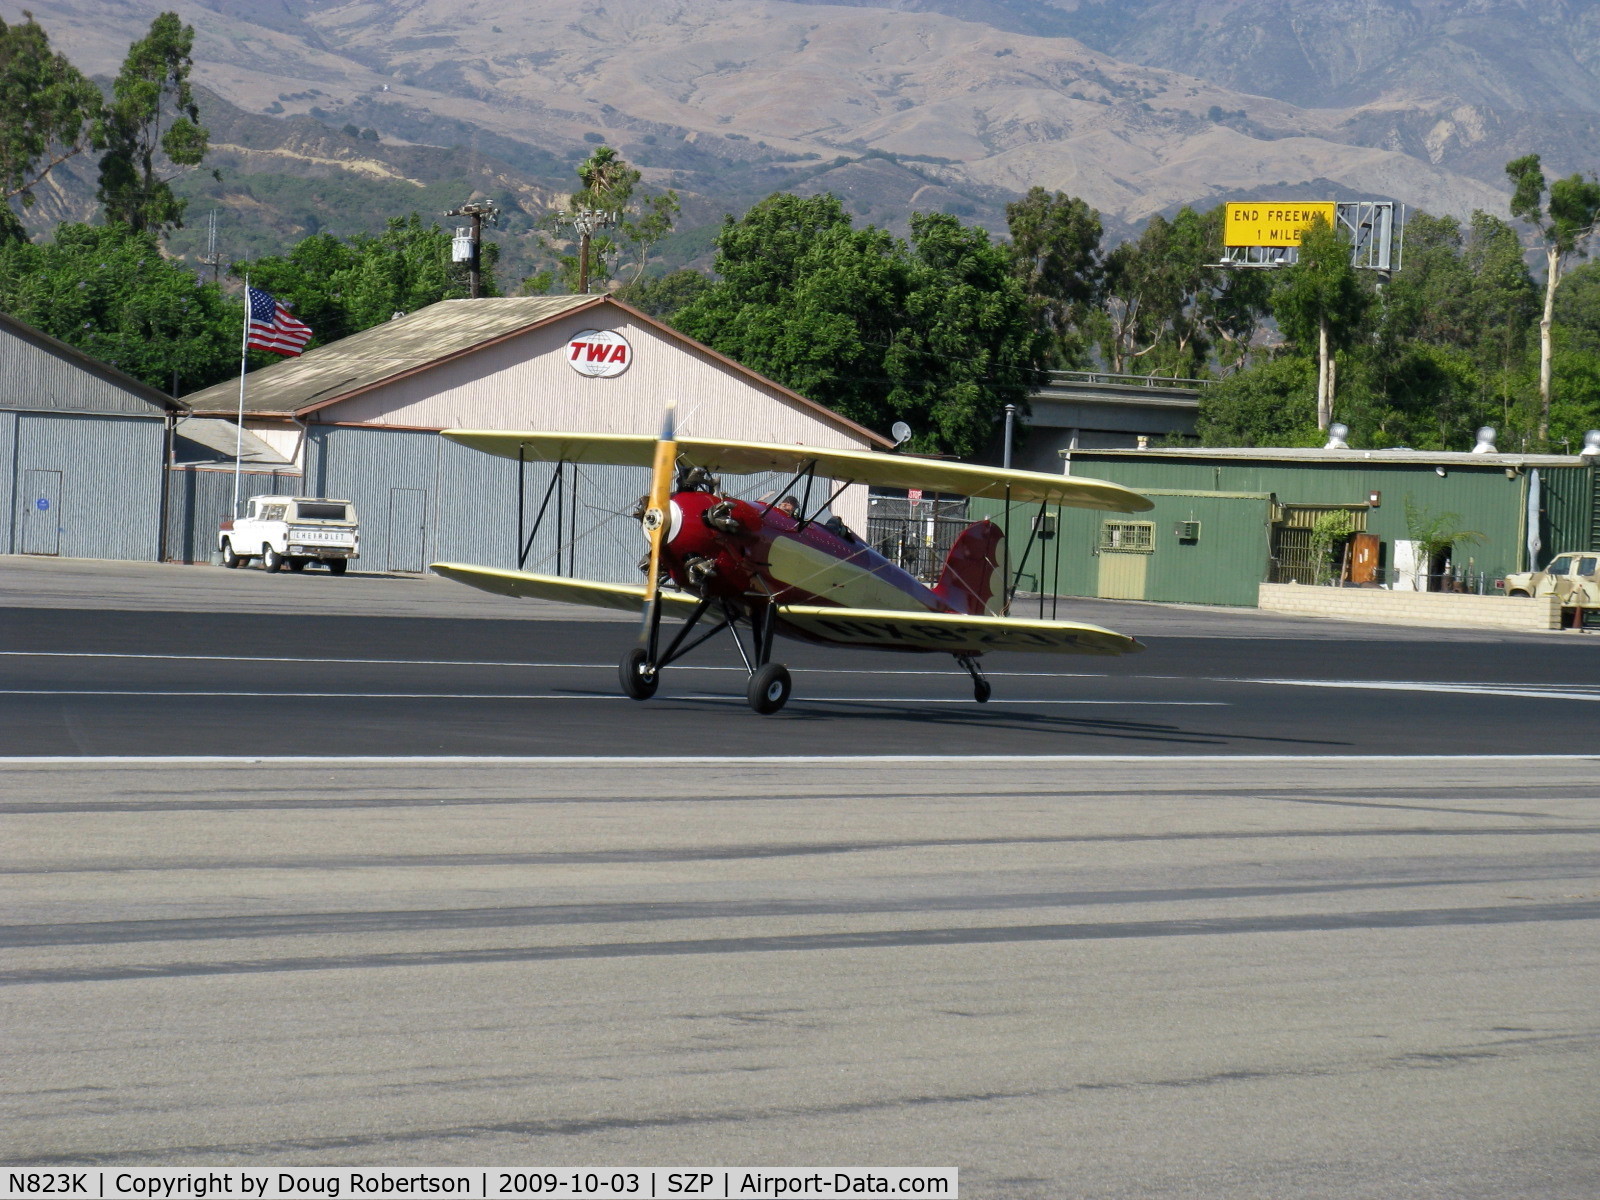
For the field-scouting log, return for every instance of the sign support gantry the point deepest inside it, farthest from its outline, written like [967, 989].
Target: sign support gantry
[1268, 234]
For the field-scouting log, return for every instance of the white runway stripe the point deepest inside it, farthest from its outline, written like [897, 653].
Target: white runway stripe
[178, 694]
[823, 760]
[1554, 692]
[574, 666]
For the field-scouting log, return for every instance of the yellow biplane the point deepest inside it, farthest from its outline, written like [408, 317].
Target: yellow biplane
[763, 568]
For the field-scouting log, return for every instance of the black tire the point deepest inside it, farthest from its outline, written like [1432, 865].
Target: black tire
[229, 558]
[637, 683]
[337, 565]
[981, 690]
[271, 560]
[769, 689]
[297, 563]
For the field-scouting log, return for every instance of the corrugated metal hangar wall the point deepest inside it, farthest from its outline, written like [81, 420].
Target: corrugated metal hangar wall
[422, 498]
[81, 449]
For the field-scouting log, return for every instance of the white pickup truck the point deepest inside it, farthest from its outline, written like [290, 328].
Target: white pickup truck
[292, 529]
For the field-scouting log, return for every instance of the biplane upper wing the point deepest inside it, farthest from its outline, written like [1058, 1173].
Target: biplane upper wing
[527, 585]
[842, 466]
[955, 633]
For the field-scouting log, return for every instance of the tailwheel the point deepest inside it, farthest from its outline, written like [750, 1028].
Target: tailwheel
[769, 688]
[638, 681]
[981, 689]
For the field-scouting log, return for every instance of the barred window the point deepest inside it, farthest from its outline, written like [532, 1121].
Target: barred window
[1131, 537]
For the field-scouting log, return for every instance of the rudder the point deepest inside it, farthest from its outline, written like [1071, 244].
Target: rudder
[973, 580]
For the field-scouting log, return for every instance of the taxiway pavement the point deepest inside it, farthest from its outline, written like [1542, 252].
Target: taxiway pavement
[1176, 978]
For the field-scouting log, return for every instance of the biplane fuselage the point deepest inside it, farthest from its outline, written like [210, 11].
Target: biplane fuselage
[772, 559]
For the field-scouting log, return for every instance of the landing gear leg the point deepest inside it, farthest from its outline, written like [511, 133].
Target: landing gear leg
[981, 691]
[770, 686]
[640, 669]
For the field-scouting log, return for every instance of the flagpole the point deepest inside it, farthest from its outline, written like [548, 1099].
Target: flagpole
[244, 350]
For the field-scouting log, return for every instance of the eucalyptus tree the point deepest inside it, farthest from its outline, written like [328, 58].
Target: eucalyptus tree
[1564, 225]
[151, 130]
[1055, 249]
[50, 113]
[1321, 301]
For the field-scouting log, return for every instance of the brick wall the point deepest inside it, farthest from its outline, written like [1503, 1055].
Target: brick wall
[1440, 609]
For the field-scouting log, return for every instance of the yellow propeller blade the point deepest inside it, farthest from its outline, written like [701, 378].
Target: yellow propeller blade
[656, 514]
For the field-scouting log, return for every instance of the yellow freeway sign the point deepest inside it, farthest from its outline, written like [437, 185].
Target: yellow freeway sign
[1272, 224]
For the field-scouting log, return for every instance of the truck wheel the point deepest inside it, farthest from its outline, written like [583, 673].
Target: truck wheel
[271, 559]
[229, 558]
[297, 564]
[337, 565]
[1519, 594]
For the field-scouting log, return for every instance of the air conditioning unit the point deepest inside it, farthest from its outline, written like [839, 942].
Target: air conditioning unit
[1187, 531]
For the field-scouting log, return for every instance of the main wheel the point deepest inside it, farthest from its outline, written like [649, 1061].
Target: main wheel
[229, 558]
[337, 565]
[637, 682]
[769, 688]
[271, 559]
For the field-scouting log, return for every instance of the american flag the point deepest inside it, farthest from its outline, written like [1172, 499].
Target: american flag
[272, 328]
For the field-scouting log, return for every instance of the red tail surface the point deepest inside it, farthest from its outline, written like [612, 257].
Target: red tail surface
[973, 581]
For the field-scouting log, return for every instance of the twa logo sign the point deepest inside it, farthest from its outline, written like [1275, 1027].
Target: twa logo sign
[599, 353]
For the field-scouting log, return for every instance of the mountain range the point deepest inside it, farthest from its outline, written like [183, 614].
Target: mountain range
[1138, 106]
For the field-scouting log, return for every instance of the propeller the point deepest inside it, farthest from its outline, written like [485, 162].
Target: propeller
[656, 522]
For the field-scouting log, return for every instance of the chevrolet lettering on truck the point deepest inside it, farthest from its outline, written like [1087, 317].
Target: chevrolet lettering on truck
[292, 530]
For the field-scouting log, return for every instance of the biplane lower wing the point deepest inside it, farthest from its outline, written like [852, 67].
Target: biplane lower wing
[954, 633]
[525, 585]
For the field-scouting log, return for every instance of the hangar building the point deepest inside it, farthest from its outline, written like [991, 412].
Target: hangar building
[1227, 520]
[83, 449]
[359, 420]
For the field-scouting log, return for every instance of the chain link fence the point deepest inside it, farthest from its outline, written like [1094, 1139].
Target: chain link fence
[916, 537]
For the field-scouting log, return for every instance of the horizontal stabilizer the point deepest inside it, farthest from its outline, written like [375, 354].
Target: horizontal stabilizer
[953, 632]
[525, 585]
[841, 466]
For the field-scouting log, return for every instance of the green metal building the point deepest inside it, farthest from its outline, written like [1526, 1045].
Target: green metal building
[1226, 520]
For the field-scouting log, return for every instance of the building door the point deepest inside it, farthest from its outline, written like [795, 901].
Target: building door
[408, 517]
[41, 513]
[1125, 550]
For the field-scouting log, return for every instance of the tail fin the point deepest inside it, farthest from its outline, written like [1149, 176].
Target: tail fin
[973, 581]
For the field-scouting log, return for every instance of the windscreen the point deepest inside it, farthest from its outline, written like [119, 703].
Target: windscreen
[320, 512]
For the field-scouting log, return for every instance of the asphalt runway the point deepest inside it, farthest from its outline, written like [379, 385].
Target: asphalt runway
[77, 682]
[1173, 978]
[1274, 909]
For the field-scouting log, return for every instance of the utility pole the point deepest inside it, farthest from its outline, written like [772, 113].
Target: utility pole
[587, 222]
[211, 258]
[471, 253]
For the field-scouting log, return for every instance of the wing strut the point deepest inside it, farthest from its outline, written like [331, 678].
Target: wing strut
[525, 544]
[1023, 561]
[808, 472]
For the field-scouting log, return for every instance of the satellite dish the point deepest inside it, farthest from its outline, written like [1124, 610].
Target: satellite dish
[902, 433]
